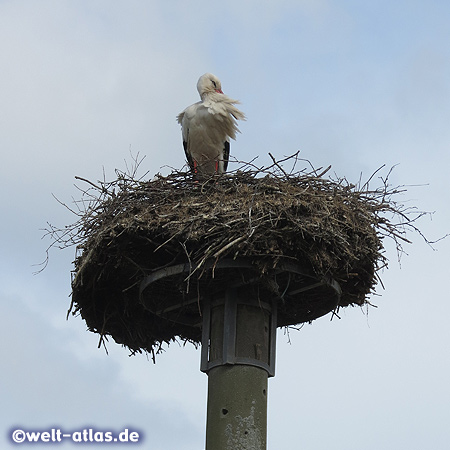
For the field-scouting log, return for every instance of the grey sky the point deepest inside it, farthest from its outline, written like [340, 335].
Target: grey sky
[351, 84]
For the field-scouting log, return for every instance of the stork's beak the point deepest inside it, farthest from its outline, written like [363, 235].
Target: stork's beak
[219, 91]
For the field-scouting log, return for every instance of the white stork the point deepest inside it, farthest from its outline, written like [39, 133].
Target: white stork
[207, 127]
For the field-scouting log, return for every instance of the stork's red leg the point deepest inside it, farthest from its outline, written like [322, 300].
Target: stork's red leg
[217, 166]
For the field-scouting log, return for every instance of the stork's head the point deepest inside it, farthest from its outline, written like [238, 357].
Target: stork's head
[207, 84]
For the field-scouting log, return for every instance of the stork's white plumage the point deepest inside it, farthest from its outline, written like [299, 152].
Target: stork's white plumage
[207, 127]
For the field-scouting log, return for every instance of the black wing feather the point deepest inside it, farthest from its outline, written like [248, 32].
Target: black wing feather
[188, 156]
[226, 155]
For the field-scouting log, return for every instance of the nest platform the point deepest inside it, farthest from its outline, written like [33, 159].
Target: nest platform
[151, 253]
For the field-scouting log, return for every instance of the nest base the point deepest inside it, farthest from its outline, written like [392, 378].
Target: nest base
[300, 296]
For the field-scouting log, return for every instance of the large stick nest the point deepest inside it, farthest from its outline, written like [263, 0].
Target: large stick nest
[130, 228]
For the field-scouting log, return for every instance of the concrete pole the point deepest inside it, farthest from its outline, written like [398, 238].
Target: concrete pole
[237, 408]
[241, 345]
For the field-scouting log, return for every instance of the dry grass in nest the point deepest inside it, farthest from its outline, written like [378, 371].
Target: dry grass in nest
[129, 228]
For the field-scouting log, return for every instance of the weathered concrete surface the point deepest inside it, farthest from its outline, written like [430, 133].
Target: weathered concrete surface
[237, 408]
